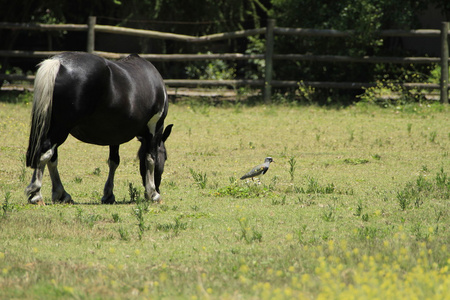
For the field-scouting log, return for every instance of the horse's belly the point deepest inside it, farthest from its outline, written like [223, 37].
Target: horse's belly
[103, 135]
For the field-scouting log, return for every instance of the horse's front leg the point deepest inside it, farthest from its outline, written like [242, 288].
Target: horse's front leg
[150, 188]
[59, 194]
[113, 162]
[147, 168]
[33, 190]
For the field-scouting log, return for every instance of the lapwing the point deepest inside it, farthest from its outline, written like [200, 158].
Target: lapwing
[259, 170]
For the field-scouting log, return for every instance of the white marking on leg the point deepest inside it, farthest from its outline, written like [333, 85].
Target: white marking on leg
[150, 190]
[33, 190]
[152, 123]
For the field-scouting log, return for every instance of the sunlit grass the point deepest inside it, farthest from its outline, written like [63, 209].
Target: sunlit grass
[356, 206]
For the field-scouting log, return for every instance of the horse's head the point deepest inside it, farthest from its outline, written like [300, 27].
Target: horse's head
[159, 149]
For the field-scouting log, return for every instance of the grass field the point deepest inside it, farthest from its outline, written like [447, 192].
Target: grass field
[356, 206]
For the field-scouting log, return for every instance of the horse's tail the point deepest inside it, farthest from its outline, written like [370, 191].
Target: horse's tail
[41, 112]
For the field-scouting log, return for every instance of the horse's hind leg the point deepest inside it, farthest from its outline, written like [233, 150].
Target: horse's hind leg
[113, 162]
[59, 195]
[33, 190]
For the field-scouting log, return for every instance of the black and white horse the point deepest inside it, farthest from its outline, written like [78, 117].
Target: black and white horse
[99, 102]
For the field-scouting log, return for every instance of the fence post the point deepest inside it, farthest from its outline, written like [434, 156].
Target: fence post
[269, 60]
[444, 62]
[91, 34]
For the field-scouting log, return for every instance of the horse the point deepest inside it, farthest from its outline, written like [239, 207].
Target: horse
[101, 102]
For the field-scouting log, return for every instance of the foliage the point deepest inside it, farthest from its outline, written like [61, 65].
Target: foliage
[415, 193]
[247, 190]
[435, 74]
[390, 92]
[212, 70]
[365, 18]
[189, 17]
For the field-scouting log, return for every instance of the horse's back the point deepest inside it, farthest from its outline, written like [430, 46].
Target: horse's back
[106, 102]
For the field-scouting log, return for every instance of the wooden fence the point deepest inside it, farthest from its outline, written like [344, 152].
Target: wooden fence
[269, 56]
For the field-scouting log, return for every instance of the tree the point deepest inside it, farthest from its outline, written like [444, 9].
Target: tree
[365, 18]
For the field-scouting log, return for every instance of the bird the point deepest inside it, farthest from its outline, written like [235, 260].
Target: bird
[259, 170]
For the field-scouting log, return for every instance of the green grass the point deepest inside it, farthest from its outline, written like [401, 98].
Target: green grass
[355, 205]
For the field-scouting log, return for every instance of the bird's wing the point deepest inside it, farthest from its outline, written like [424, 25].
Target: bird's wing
[255, 171]
[258, 169]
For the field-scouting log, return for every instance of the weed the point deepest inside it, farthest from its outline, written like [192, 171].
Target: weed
[376, 157]
[314, 187]
[79, 214]
[367, 233]
[139, 212]
[442, 184]
[97, 172]
[415, 192]
[171, 183]
[6, 206]
[359, 209]
[318, 137]
[292, 162]
[433, 136]
[91, 219]
[300, 233]
[356, 161]
[403, 199]
[88, 220]
[442, 180]
[422, 185]
[124, 234]
[248, 234]
[116, 218]
[352, 135]
[279, 202]
[329, 215]
[365, 217]
[408, 128]
[273, 183]
[239, 191]
[199, 178]
[133, 192]
[78, 180]
[164, 207]
[175, 227]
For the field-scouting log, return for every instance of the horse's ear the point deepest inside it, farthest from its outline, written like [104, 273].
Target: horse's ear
[167, 132]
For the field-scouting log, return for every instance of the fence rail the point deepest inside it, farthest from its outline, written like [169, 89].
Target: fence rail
[270, 31]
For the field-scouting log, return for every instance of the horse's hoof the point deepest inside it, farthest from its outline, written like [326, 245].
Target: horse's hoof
[109, 200]
[64, 199]
[37, 200]
[156, 198]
